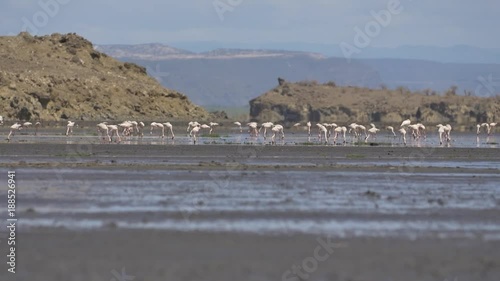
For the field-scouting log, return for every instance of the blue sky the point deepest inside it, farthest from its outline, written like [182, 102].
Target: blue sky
[420, 22]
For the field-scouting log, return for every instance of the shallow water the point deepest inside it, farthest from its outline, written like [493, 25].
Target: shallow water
[346, 197]
[292, 137]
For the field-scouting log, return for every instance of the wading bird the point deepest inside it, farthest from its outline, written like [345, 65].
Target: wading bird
[492, 126]
[340, 130]
[192, 124]
[421, 130]
[372, 132]
[266, 126]
[37, 125]
[359, 129]
[113, 130]
[403, 134]
[252, 129]
[127, 127]
[156, 125]
[478, 129]
[69, 128]
[27, 125]
[1, 120]
[414, 130]
[140, 129]
[444, 132]
[239, 125]
[405, 123]
[212, 126]
[194, 132]
[277, 129]
[102, 129]
[391, 129]
[308, 124]
[352, 129]
[13, 129]
[170, 128]
[488, 127]
[204, 126]
[322, 130]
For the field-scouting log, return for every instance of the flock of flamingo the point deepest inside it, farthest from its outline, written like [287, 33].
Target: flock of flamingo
[325, 130]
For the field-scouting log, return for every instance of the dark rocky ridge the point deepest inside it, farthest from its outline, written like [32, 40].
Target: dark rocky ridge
[310, 101]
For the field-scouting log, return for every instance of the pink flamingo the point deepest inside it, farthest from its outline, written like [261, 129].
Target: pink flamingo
[170, 128]
[69, 128]
[15, 127]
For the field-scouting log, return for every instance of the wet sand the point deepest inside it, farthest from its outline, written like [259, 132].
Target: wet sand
[443, 202]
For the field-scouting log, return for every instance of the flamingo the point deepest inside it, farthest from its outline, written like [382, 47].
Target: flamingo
[277, 129]
[192, 124]
[160, 126]
[135, 126]
[1, 120]
[27, 125]
[391, 129]
[296, 125]
[113, 129]
[267, 125]
[204, 126]
[359, 129]
[69, 128]
[13, 129]
[128, 128]
[421, 130]
[170, 127]
[194, 132]
[322, 130]
[140, 128]
[332, 126]
[444, 132]
[372, 132]
[352, 129]
[447, 128]
[102, 129]
[37, 125]
[239, 125]
[403, 134]
[329, 127]
[252, 129]
[337, 131]
[308, 124]
[487, 126]
[212, 125]
[478, 131]
[492, 126]
[405, 123]
[414, 130]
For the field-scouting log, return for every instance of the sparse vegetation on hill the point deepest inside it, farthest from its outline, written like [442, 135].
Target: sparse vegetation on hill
[309, 100]
[63, 77]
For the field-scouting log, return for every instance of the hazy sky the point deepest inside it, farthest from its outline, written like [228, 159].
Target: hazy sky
[418, 22]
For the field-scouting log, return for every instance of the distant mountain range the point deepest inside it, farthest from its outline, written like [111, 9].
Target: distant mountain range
[232, 77]
[451, 54]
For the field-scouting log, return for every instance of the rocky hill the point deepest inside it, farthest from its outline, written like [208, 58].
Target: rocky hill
[63, 77]
[299, 102]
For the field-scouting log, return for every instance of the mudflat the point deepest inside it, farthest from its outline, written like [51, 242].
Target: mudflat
[246, 212]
